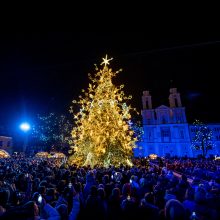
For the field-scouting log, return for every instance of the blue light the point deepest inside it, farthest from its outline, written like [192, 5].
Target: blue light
[25, 127]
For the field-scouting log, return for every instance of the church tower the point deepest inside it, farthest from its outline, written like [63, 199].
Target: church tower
[147, 112]
[146, 100]
[177, 111]
[174, 98]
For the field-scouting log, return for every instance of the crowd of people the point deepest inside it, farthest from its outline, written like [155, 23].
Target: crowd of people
[205, 169]
[36, 188]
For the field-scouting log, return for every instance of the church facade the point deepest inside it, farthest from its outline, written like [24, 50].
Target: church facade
[166, 131]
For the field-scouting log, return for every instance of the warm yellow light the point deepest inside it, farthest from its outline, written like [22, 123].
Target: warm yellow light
[106, 60]
[101, 134]
[153, 156]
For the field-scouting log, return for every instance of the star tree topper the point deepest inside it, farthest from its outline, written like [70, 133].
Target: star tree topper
[106, 60]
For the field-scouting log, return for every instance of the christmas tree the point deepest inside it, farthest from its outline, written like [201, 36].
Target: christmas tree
[203, 139]
[102, 134]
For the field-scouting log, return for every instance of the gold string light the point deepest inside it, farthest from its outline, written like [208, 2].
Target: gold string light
[102, 134]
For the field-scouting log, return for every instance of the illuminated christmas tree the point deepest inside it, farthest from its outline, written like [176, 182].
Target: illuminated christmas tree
[203, 138]
[51, 131]
[102, 134]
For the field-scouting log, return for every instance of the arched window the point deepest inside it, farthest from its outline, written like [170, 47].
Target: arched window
[164, 120]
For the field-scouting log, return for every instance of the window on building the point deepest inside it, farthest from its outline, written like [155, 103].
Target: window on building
[164, 121]
[182, 134]
[179, 116]
[165, 134]
[150, 135]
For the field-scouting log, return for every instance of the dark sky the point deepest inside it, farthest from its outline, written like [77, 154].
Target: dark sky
[43, 72]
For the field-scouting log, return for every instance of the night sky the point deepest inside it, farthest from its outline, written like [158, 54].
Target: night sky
[44, 72]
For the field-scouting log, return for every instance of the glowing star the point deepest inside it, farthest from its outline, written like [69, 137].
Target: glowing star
[106, 60]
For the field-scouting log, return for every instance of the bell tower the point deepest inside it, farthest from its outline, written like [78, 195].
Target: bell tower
[177, 112]
[147, 112]
[146, 100]
[174, 98]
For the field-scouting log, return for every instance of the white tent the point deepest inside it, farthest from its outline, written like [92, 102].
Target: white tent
[4, 154]
[58, 155]
[42, 154]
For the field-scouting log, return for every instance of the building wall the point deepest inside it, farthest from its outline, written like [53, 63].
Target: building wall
[166, 131]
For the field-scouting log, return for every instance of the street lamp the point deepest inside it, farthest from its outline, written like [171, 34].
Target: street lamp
[25, 127]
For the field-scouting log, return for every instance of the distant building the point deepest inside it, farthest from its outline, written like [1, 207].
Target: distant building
[166, 131]
[6, 143]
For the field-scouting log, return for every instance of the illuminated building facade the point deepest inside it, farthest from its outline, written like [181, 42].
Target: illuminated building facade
[166, 130]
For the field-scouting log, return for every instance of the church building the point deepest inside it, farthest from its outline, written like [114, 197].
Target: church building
[166, 131]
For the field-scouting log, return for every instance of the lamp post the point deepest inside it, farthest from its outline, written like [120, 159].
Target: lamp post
[25, 127]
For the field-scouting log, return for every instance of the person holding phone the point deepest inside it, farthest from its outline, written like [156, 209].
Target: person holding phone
[46, 210]
[39, 199]
[70, 185]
